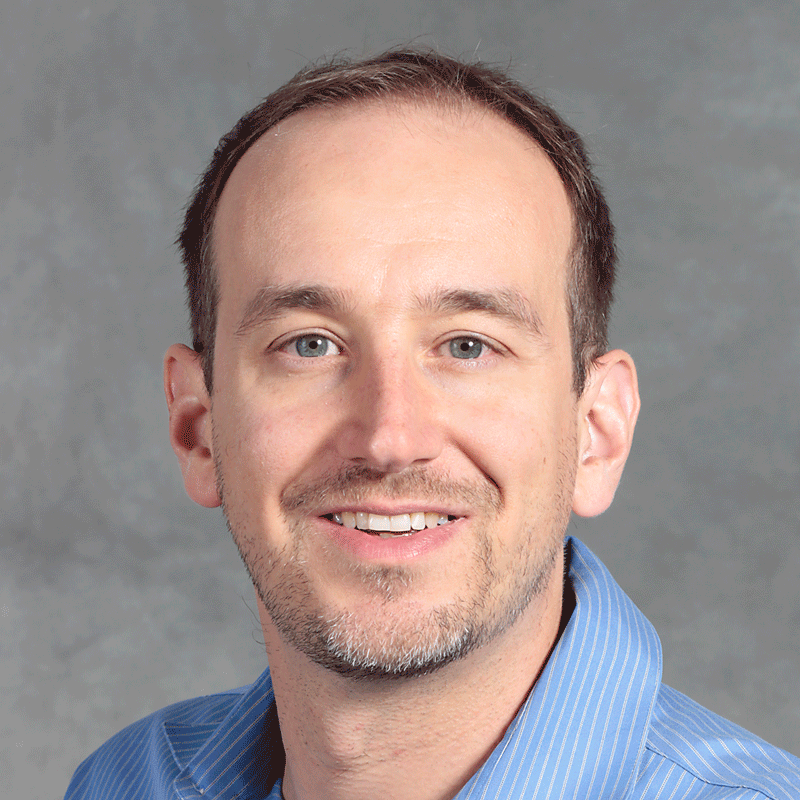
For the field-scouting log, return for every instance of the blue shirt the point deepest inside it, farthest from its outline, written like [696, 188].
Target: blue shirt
[598, 724]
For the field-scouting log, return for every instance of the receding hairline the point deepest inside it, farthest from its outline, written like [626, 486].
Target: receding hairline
[416, 77]
[443, 100]
[450, 104]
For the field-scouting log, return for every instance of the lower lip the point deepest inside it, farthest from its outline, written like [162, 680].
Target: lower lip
[370, 547]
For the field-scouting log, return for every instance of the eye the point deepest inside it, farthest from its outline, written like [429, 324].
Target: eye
[467, 347]
[313, 345]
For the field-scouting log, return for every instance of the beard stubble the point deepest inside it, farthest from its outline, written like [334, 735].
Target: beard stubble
[391, 644]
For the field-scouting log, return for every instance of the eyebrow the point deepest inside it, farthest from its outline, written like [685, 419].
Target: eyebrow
[509, 304]
[271, 302]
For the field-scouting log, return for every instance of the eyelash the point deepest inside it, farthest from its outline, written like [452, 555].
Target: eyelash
[485, 344]
[308, 335]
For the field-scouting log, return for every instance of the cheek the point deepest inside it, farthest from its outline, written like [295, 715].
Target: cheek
[517, 438]
[268, 443]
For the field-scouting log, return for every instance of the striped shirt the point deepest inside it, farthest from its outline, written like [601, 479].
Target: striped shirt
[598, 724]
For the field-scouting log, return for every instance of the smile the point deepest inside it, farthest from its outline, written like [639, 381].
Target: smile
[388, 526]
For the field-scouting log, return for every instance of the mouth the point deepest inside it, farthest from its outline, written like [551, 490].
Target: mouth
[390, 526]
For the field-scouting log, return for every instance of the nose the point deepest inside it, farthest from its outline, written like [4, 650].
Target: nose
[393, 417]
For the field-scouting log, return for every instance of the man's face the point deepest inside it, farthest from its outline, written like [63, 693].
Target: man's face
[393, 351]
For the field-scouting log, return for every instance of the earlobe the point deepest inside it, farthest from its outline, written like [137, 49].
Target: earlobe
[190, 423]
[609, 408]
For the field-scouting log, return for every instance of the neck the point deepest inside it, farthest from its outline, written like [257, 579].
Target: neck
[420, 737]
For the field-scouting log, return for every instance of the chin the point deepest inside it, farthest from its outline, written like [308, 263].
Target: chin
[391, 635]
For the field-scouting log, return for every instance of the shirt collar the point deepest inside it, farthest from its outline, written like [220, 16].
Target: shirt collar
[580, 733]
[242, 757]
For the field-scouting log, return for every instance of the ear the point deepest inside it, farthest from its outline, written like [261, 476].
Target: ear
[190, 423]
[609, 407]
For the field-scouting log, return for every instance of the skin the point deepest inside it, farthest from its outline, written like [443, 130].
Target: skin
[387, 209]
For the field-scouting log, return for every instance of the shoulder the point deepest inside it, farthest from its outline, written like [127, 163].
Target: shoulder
[712, 757]
[144, 759]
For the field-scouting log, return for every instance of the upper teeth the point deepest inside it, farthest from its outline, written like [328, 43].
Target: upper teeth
[395, 523]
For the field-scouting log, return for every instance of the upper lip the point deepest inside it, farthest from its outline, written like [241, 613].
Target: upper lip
[394, 509]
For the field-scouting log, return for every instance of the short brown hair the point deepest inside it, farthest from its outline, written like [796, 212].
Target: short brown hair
[428, 76]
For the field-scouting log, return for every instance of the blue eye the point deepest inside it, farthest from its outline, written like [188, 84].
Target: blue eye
[312, 345]
[466, 347]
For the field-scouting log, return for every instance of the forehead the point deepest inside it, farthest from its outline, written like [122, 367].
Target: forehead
[363, 192]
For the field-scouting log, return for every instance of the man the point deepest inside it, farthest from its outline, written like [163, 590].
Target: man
[399, 275]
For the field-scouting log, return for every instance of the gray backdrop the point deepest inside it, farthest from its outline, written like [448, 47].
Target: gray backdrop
[118, 596]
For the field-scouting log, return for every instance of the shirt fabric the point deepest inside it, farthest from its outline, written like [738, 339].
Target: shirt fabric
[598, 724]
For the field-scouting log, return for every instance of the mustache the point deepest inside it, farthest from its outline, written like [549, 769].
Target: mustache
[356, 483]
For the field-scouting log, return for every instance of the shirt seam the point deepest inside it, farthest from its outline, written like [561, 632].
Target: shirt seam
[694, 773]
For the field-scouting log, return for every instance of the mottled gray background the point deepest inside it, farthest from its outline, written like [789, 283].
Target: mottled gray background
[118, 596]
